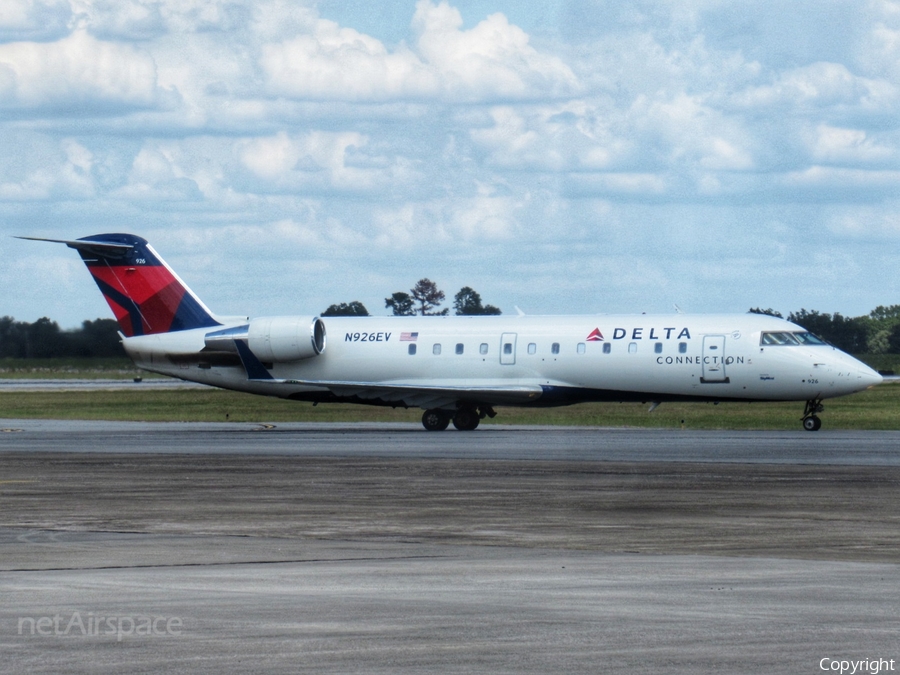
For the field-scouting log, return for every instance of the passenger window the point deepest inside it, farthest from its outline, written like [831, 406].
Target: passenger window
[632, 347]
[437, 349]
[554, 348]
[607, 347]
[412, 348]
[658, 348]
[682, 347]
[580, 348]
[507, 347]
[483, 348]
[532, 348]
[460, 348]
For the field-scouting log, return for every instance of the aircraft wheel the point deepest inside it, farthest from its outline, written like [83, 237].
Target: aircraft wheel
[466, 419]
[435, 420]
[812, 423]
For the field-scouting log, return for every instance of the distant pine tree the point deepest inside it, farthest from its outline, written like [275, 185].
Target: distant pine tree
[468, 303]
[355, 308]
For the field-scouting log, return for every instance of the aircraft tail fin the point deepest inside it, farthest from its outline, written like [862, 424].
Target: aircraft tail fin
[144, 293]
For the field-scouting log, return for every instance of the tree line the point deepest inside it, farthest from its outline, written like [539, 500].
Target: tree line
[44, 339]
[424, 298]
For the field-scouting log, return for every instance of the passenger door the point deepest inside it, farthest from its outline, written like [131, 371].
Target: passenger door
[508, 349]
[714, 360]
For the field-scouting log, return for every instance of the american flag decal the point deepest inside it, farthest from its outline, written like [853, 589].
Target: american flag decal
[409, 337]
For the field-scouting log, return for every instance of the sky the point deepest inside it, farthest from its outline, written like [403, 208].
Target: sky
[583, 156]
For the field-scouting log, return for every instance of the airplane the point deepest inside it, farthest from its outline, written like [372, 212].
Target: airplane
[459, 368]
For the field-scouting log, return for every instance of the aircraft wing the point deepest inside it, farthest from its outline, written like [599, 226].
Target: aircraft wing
[426, 396]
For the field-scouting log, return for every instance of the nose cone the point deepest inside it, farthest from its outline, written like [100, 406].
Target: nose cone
[852, 375]
[868, 377]
[860, 376]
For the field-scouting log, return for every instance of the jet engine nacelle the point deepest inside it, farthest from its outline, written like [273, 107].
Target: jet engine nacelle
[273, 339]
[286, 338]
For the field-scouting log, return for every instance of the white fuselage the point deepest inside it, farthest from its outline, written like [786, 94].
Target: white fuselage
[562, 359]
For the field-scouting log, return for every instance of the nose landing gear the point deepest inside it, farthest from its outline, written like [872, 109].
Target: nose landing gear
[811, 421]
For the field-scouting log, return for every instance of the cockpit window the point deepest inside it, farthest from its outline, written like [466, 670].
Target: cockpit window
[789, 339]
[809, 339]
[778, 339]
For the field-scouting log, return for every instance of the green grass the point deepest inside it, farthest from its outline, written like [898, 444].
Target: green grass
[877, 408]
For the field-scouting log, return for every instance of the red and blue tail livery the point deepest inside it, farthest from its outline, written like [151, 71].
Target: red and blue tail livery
[145, 295]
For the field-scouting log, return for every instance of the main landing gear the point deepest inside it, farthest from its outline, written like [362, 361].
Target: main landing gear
[811, 422]
[436, 419]
[466, 417]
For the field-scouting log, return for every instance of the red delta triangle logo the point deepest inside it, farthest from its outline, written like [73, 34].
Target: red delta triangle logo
[595, 336]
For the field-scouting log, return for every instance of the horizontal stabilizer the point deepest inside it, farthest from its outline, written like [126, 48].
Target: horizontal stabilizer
[109, 248]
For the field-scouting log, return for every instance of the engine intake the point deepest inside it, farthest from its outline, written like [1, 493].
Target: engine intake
[275, 339]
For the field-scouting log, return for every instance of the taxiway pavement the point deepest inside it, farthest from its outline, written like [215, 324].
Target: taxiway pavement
[858, 448]
[384, 548]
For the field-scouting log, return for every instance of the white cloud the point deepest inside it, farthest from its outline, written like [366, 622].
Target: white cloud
[821, 85]
[693, 133]
[33, 19]
[128, 19]
[146, 19]
[836, 182]
[488, 215]
[493, 60]
[64, 172]
[623, 184]
[569, 136]
[340, 63]
[157, 175]
[76, 71]
[315, 160]
[865, 221]
[837, 145]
